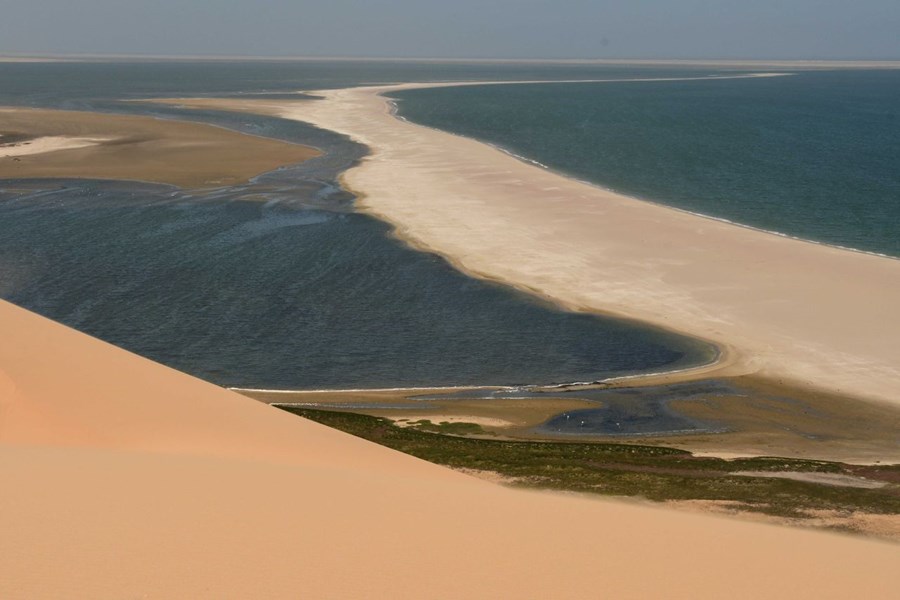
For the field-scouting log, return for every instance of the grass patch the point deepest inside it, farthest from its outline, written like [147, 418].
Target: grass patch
[652, 472]
[445, 427]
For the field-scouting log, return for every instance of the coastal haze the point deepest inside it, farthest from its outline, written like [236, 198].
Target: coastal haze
[535, 29]
[625, 276]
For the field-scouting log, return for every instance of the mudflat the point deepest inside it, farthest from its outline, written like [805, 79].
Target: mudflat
[37, 143]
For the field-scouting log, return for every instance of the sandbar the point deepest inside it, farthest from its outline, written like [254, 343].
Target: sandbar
[791, 311]
[48, 143]
[75, 144]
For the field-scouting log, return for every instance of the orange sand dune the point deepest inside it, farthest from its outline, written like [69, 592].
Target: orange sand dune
[124, 479]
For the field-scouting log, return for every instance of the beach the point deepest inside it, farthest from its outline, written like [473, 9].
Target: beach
[126, 478]
[744, 417]
[189, 491]
[787, 310]
[74, 144]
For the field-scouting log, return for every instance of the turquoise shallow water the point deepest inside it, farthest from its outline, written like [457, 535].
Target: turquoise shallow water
[814, 155]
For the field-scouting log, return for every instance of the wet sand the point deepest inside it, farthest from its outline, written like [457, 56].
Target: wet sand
[756, 418]
[192, 491]
[41, 145]
[792, 311]
[797, 422]
[502, 416]
[70, 144]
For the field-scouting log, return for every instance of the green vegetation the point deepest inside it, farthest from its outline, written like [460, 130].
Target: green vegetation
[651, 472]
[448, 428]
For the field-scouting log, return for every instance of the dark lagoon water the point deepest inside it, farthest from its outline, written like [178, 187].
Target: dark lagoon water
[814, 155]
[278, 283]
[622, 411]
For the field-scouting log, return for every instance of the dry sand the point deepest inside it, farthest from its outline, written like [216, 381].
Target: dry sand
[122, 478]
[789, 310]
[71, 144]
[125, 479]
[48, 143]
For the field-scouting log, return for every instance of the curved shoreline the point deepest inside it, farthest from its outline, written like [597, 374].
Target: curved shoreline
[395, 112]
[147, 457]
[77, 144]
[812, 315]
[540, 165]
[729, 360]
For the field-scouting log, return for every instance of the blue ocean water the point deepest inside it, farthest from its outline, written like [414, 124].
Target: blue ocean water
[277, 283]
[815, 154]
[87, 84]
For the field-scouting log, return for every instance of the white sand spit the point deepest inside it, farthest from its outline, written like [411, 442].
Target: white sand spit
[797, 311]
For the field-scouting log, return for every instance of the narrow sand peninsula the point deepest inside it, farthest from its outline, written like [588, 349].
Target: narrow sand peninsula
[789, 310]
[125, 479]
[71, 144]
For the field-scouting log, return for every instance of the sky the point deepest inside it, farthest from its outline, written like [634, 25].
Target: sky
[549, 29]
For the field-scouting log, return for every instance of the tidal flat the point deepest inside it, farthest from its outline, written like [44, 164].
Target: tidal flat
[723, 417]
[825, 494]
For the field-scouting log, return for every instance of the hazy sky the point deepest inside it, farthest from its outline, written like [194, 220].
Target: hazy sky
[458, 28]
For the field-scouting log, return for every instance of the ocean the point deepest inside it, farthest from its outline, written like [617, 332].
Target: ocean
[814, 155]
[279, 283]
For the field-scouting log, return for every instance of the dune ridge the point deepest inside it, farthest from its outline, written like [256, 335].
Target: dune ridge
[123, 478]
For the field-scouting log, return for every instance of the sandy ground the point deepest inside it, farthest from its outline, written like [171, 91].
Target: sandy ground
[884, 526]
[407, 420]
[396, 404]
[822, 478]
[763, 418]
[125, 479]
[790, 310]
[48, 143]
[70, 144]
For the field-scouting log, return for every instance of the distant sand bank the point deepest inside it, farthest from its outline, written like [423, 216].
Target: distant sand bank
[29, 59]
[69, 144]
[191, 491]
[49, 143]
[795, 311]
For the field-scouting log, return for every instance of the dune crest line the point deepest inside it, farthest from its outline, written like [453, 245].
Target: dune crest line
[147, 457]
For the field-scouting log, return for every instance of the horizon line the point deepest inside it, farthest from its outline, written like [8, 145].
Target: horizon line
[77, 57]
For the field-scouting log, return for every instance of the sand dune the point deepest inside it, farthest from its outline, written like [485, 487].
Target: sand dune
[122, 478]
[125, 479]
[795, 311]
